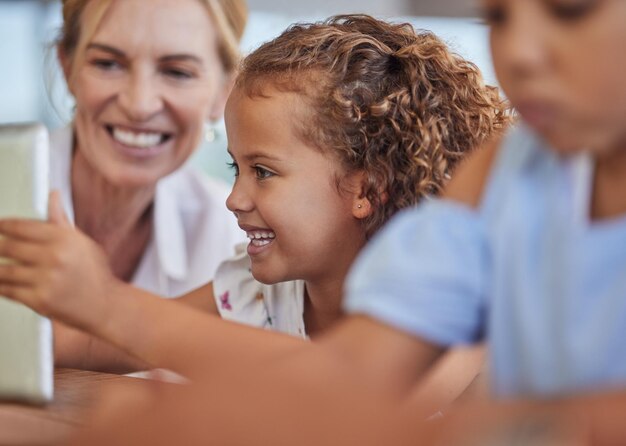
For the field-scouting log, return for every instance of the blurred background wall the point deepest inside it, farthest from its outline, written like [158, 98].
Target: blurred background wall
[447, 8]
[31, 88]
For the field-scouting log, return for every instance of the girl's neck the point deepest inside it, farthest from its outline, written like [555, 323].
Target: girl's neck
[609, 186]
[118, 219]
[322, 306]
[323, 296]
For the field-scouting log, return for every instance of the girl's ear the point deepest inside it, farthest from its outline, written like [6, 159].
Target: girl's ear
[361, 205]
[362, 208]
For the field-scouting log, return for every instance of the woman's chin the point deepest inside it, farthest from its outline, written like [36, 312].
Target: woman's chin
[133, 178]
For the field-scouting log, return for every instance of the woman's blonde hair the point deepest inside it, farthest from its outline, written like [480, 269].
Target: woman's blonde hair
[229, 17]
[391, 102]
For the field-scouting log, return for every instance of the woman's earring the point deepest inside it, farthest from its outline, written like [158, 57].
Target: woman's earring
[210, 134]
[359, 206]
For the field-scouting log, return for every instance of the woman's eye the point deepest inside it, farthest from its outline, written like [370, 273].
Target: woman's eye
[234, 167]
[177, 73]
[106, 64]
[262, 173]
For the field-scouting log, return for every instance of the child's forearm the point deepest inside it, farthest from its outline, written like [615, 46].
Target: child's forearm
[176, 336]
[78, 350]
[180, 337]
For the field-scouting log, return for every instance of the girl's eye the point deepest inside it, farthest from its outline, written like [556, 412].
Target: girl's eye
[494, 15]
[571, 10]
[262, 173]
[234, 167]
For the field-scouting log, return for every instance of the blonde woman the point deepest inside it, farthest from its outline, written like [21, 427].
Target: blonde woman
[146, 76]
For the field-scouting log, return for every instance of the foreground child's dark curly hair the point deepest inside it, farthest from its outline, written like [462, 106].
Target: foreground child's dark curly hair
[387, 100]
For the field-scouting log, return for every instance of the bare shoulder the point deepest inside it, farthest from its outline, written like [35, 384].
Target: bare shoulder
[469, 179]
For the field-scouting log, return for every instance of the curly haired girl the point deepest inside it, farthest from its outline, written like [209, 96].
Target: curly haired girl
[333, 127]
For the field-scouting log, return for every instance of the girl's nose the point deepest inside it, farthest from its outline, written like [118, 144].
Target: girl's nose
[521, 47]
[141, 97]
[239, 201]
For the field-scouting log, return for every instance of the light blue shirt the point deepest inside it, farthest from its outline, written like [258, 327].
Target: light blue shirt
[527, 270]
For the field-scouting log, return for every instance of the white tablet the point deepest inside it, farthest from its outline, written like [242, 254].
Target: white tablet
[26, 356]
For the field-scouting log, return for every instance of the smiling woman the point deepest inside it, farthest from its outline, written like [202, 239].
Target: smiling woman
[143, 92]
[142, 99]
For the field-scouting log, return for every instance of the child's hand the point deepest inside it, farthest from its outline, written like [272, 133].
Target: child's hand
[54, 269]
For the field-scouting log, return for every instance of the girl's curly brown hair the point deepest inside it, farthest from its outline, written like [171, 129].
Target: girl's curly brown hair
[392, 102]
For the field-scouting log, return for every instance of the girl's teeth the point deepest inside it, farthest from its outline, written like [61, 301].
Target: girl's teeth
[266, 236]
[143, 139]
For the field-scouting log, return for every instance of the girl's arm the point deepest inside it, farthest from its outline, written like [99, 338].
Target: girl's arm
[61, 273]
[79, 350]
[74, 348]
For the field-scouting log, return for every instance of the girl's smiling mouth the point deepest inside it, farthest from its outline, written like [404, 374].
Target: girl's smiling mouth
[259, 240]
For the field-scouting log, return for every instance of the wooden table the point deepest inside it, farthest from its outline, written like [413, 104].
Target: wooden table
[74, 393]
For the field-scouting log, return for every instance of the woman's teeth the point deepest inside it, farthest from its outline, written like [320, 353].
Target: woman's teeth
[258, 238]
[140, 139]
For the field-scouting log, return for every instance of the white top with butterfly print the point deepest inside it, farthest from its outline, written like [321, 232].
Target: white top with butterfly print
[241, 298]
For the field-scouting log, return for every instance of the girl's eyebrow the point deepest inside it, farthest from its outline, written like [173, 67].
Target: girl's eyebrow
[121, 54]
[256, 155]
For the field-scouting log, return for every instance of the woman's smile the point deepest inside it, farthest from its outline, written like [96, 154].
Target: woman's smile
[139, 143]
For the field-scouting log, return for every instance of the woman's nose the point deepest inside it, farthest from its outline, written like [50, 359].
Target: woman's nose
[141, 97]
